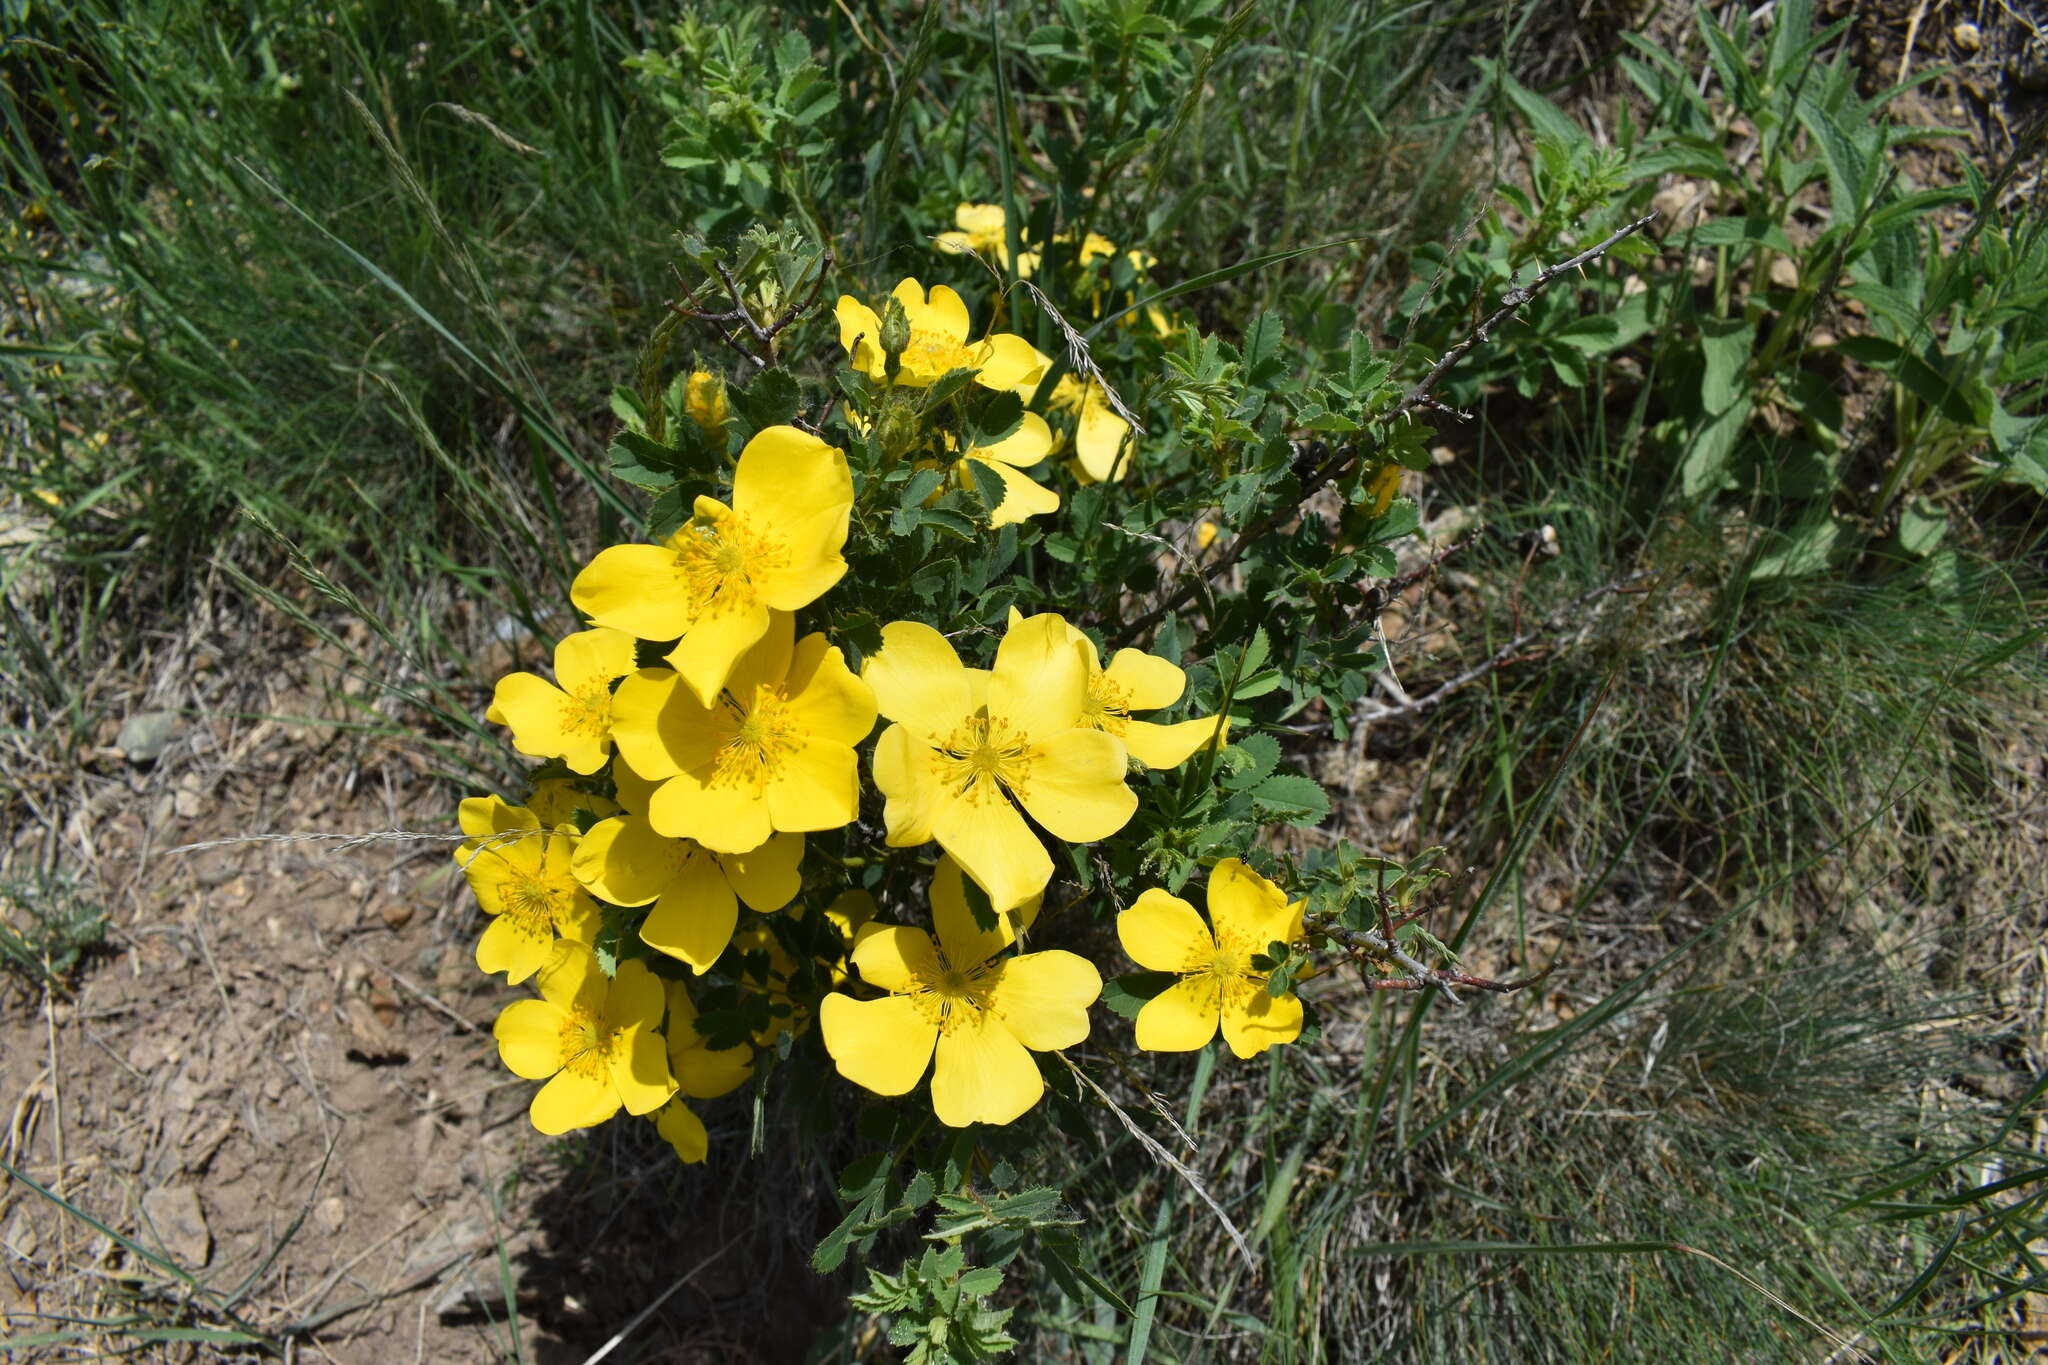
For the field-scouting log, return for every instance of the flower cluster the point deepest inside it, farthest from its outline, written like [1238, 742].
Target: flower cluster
[694, 877]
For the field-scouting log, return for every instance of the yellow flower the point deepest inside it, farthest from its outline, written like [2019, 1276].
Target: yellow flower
[939, 330]
[1095, 247]
[1137, 681]
[570, 718]
[1101, 438]
[982, 229]
[593, 1040]
[524, 884]
[714, 582]
[680, 1127]
[1217, 983]
[773, 751]
[1023, 496]
[1205, 534]
[973, 1017]
[704, 400]
[555, 801]
[967, 749]
[695, 892]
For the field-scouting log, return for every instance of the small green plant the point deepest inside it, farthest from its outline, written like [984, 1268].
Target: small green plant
[47, 926]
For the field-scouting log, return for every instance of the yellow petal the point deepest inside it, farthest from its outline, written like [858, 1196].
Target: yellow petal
[681, 1129]
[637, 589]
[636, 998]
[533, 708]
[804, 580]
[1148, 681]
[768, 877]
[903, 772]
[966, 941]
[1245, 906]
[1169, 746]
[570, 978]
[1043, 998]
[570, 1101]
[898, 958]
[713, 644]
[816, 787]
[917, 677]
[723, 817]
[1024, 447]
[659, 727]
[860, 332]
[640, 1071]
[994, 846]
[801, 487]
[942, 311]
[1077, 786]
[766, 662]
[1010, 362]
[981, 220]
[483, 816]
[507, 946]
[1040, 682]
[1023, 496]
[1180, 1018]
[883, 1045]
[694, 920]
[982, 1074]
[825, 697]
[529, 1034]
[705, 1073]
[1254, 1021]
[635, 792]
[1162, 933]
[622, 860]
[1100, 444]
[592, 656]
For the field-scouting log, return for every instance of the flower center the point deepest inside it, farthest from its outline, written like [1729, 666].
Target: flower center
[932, 354]
[1108, 706]
[947, 998]
[721, 561]
[981, 757]
[588, 710]
[1228, 964]
[531, 902]
[758, 734]
[1069, 395]
[587, 1044]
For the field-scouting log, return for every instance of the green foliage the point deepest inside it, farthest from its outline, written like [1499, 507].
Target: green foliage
[47, 926]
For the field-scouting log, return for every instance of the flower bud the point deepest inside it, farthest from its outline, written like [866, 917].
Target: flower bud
[895, 332]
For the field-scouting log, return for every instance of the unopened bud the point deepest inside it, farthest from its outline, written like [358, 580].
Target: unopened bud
[895, 331]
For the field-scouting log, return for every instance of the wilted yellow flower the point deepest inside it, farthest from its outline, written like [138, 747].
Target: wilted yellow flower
[957, 1006]
[1218, 984]
[570, 718]
[1102, 442]
[773, 751]
[521, 875]
[1137, 681]
[939, 341]
[714, 582]
[705, 401]
[968, 748]
[592, 1038]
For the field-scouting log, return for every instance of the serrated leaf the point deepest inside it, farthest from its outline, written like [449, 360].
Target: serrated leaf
[1291, 797]
[1128, 994]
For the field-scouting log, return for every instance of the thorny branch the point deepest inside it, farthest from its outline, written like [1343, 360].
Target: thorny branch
[1378, 947]
[740, 317]
[1326, 469]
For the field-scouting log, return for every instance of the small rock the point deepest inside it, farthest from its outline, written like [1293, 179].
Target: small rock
[1967, 36]
[145, 735]
[173, 1214]
[20, 1236]
[1784, 272]
[397, 916]
[475, 1291]
[329, 1214]
[187, 803]
[371, 1040]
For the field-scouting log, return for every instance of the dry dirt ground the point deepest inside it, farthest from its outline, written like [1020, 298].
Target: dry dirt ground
[278, 1075]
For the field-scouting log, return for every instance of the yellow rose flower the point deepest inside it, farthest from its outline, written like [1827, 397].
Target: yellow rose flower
[695, 892]
[570, 718]
[973, 1017]
[982, 228]
[1137, 681]
[524, 884]
[967, 750]
[1218, 984]
[593, 1039]
[939, 331]
[1023, 496]
[715, 581]
[773, 752]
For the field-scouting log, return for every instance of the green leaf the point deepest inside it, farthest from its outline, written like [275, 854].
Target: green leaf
[1922, 524]
[919, 487]
[1293, 798]
[1127, 994]
[1724, 403]
[770, 400]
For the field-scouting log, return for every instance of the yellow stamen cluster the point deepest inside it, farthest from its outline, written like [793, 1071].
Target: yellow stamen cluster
[720, 562]
[982, 756]
[587, 1044]
[757, 737]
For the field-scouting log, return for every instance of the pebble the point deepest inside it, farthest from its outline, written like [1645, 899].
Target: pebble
[173, 1213]
[145, 735]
